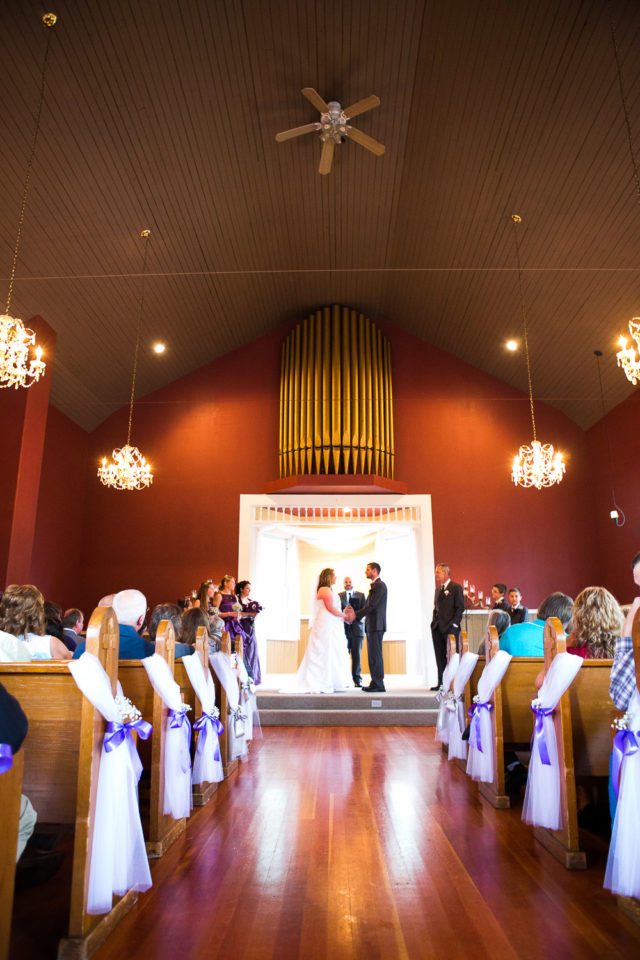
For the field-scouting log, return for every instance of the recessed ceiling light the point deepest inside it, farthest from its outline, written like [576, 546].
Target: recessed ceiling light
[159, 348]
[511, 345]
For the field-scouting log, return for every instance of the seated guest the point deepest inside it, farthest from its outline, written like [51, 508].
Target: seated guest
[526, 639]
[191, 620]
[623, 674]
[130, 608]
[172, 612]
[501, 621]
[13, 730]
[597, 623]
[107, 600]
[53, 620]
[498, 601]
[22, 616]
[517, 612]
[73, 623]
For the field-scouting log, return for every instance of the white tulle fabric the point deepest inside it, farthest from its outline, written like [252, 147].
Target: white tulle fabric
[118, 855]
[456, 718]
[235, 725]
[541, 805]
[249, 701]
[177, 757]
[207, 762]
[623, 864]
[480, 762]
[442, 728]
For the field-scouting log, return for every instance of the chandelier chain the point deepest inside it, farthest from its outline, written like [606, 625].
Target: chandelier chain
[25, 191]
[636, 175]
[515, 219]
[145, 234]
[621, 519]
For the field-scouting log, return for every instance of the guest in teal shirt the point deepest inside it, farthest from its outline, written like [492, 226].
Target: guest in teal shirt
[526, 639]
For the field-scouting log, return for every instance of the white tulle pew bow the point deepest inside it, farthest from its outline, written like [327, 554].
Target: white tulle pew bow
[455, 706]
[118, 855]
[443, 694]
[224, 669]
[480, 761]
[177, 757]
[542, 797]
[623, 863]
[207, 763]
[248, 699]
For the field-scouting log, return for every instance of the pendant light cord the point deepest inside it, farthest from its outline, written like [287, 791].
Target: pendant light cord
[636, 175]
[145, 234]
[516, 220]
[49, 21]
[621, 518]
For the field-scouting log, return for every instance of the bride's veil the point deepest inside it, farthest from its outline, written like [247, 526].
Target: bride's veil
[312, 604]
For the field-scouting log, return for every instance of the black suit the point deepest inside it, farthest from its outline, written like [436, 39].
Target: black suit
[354, 632]
[519, 615]
[375, 610]
[448, 607]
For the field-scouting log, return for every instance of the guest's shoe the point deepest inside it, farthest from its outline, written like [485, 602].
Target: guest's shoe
[372, 689]
[32, 869]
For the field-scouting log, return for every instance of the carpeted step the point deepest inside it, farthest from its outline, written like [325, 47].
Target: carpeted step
[348, 718]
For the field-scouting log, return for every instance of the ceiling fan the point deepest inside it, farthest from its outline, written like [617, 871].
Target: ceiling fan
[334, 128]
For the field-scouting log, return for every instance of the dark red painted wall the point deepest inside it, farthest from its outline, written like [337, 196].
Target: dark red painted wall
[616, 545]
[213, 435]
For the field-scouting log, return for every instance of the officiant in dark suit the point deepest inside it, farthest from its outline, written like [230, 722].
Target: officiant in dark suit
[448, 607]
[375, 610]
[354, 631]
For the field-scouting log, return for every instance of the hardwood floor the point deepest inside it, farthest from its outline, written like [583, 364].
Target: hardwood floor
[337, 843]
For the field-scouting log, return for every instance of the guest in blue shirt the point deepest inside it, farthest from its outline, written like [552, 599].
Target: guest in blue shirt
[527, 639]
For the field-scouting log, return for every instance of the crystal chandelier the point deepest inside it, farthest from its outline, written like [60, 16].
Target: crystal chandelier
[628, 357]
[21, 363]
[536, 465]
[128, 469]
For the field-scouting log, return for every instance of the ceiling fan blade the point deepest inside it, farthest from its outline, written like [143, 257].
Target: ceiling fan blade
[361, 106]
[326, 157]
[315, 98]
[296, 132]
[366, 141]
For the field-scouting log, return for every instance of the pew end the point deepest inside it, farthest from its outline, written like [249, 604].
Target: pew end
[493, 792]
[10, 802]
[201, 792]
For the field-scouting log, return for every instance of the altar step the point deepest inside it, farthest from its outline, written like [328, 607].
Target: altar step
[397, 708]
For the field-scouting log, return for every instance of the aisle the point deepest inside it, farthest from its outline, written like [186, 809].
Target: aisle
[363, 843]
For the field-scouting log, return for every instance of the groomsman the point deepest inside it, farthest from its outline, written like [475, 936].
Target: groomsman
[354, 631]
[375, 610]
[448, 607]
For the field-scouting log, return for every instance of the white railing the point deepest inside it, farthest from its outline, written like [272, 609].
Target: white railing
[291, 513]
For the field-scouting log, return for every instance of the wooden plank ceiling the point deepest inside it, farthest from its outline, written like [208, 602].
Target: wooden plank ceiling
[163, 115]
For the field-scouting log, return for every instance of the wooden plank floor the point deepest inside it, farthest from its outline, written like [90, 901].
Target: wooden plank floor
[337, 843]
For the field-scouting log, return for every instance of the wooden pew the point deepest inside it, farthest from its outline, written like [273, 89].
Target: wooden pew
[494, 792]
[630, 905]
[61, 763]
[160, 829]
[228, 765]
[10, 801]
[202, 792]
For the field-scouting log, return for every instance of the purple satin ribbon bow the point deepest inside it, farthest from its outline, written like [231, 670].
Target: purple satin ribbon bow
[474, 713]
[203, 723]
[538, 732]
[178, 718]
[625, 744]
[6, 757]
[116, 732]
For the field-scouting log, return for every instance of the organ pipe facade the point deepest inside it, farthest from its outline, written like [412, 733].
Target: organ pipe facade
[336, 397]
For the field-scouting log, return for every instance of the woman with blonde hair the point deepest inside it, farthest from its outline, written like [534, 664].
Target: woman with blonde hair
[22, 616]
[325, 667]
[597, 623]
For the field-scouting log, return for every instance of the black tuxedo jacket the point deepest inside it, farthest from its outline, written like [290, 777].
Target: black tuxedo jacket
[355, 629]
[375, 608]
[448, 607]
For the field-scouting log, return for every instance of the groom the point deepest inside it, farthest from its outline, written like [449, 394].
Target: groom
[375, 610]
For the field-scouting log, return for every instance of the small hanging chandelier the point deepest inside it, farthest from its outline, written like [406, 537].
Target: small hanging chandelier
[128, 469]
[21, 363]
[628, 357]
[536, 465]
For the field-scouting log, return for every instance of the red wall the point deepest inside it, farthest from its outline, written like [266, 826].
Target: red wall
[616, 545]
[213, 435]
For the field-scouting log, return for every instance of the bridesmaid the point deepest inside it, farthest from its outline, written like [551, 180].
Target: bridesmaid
[204, 599]
[250, 610]
[230, 608]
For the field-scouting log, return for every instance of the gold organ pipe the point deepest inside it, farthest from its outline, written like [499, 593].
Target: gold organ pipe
[336, 397]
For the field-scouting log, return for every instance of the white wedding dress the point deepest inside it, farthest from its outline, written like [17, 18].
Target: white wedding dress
[326, 666]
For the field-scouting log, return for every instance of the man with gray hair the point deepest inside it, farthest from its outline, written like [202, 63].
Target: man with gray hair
[130, 608]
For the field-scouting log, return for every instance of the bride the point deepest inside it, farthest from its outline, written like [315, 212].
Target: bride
[325, 666]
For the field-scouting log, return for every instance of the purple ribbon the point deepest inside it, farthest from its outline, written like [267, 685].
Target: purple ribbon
[116, 732]
[625, 744]
[6, 757]
[538, 732]
[177, 719]
[474, 713]
[203, 723]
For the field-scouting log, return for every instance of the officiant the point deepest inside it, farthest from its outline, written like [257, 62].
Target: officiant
[354, 631]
